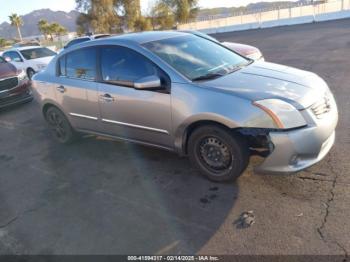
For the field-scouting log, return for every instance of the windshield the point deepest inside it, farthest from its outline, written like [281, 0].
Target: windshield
[200, 34]
[35, 53]
[197, 58]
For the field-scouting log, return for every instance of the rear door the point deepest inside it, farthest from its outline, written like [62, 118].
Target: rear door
[76, 88]
[142, 115]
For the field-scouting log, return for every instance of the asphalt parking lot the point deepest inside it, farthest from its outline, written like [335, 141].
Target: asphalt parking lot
[105, 197]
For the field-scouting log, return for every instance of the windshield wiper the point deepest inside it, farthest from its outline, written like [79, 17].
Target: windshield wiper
[237, 67]
[208, 76]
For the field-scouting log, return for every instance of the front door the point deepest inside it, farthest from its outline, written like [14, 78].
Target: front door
[141, 115]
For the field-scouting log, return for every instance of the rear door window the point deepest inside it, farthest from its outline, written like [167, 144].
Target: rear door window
[80, 64]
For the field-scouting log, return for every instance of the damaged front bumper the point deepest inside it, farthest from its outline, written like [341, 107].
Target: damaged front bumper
[301, 148]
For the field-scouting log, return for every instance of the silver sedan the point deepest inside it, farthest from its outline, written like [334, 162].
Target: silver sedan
[187, 94]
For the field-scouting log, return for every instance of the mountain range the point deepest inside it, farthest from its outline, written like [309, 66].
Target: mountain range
[30, 21]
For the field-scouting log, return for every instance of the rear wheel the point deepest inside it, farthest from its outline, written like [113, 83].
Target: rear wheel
[219, 155]
[60, 126]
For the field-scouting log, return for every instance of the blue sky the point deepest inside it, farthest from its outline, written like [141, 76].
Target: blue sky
[22, 7]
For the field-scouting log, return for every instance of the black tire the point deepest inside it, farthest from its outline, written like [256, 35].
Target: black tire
[219, 154]
[59, 125]
[30, 73]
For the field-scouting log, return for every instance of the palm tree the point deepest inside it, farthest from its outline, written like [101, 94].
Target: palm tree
[16, 21]
[3, 42]
[43, 26]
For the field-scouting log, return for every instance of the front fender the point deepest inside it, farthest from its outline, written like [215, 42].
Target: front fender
[192, 105]
[181, 133]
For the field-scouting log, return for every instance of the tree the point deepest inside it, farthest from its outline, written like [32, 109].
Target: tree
[100, 16]
[183, 9]
[142, 24]
[43, 27]
[162, 16]
[61, 31]
[83, 24]
[56, 29]
[110, 16]
[16, 21]
[132, 13]
[3, 42]
[51, 29]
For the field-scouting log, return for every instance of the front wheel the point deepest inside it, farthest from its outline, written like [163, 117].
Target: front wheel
[60, 126]
[218, 154]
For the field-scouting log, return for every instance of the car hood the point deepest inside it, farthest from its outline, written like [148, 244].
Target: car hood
[7, 70]
[262, 80]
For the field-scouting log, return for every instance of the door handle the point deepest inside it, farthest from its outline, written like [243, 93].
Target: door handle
[61, 89]
[107, 98]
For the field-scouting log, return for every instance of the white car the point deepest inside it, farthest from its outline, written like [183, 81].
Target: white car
[31, 59]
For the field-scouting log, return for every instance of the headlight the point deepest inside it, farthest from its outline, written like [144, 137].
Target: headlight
[282, 113]
[22, 75]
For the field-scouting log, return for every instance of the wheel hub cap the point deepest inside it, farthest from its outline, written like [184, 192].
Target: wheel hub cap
[215, 153]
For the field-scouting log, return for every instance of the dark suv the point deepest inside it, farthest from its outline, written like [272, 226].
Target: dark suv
[14, 85]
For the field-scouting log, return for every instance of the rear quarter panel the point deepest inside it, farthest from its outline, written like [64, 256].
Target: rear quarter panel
[43, 90]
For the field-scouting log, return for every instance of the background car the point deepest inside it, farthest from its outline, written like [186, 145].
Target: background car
[14, 85]
[84, 39]
[31, 59]
[243, 49]
[26, 43]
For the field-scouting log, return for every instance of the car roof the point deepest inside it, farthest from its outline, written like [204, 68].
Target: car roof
[147, 36]
[81, 37]
[100, 36]
[130, 39]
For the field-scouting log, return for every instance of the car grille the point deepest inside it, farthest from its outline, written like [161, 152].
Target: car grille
[321, 107]
[8, 83]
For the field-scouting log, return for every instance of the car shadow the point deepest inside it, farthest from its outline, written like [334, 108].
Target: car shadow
[107, 197]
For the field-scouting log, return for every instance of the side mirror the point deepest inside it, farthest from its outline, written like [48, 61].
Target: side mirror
[148, 83]
[8, 59]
